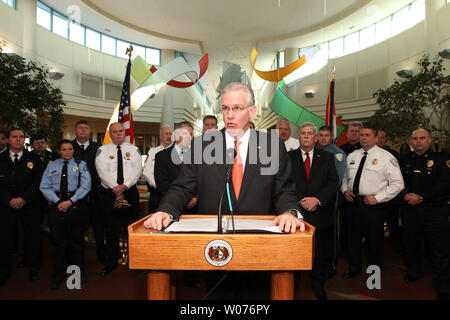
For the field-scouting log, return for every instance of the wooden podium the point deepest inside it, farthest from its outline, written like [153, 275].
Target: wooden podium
[161, 254]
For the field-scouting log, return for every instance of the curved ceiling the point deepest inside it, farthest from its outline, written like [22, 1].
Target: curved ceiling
[227, 30]
[206, 20]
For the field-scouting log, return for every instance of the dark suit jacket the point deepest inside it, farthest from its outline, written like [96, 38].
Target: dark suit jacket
[88, 155]
[166, 171]
[323, 184]
[261, 192]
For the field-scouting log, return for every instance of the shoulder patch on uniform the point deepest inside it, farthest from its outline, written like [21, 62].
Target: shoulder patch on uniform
[98, 152]
[339, 156]
[447, 163]
[394, 162]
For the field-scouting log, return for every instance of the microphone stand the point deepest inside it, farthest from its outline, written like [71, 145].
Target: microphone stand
[219, 216]
[227, 182]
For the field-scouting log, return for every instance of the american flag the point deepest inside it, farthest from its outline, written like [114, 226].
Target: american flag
[125, 116]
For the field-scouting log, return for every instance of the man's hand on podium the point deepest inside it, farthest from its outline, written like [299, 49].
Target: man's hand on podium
[158, 220]
[288, 223]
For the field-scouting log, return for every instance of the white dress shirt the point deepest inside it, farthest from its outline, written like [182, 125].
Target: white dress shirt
[19, 155]
[243, 147]
[310, 155]
[380, 177]
[291, 144]
[149, 166]
[106, 164]
[86, 144]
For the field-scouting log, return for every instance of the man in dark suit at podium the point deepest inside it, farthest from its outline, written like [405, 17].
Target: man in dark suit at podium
[316, 181]
[257, 186]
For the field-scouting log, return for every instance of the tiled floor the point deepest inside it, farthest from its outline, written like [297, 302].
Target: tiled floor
[125, 284]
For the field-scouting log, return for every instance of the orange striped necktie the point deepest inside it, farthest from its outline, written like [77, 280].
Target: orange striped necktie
[237, 172]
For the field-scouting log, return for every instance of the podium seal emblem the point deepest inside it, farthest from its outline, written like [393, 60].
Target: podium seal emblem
[218, 253]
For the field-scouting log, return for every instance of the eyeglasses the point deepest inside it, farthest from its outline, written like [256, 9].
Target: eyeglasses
[235, 109]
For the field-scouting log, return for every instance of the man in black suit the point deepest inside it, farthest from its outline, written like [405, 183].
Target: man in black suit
[260, 191]
[257, 186]
[168, 162]
[85, 149]
[316, 180]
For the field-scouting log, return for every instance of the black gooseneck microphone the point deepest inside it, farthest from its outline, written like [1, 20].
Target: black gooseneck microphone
[230, 155]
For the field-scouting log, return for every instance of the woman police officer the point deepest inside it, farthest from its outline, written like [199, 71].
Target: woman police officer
[64, 184]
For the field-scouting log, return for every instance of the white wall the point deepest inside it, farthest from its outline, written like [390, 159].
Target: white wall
[72, 59]
[360, 74]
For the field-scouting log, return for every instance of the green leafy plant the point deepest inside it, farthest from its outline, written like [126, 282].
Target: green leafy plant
[29, 100]
[412, 103]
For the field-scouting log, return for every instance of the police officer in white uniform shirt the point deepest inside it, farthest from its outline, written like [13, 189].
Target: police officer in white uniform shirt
[371, 178]
[119, 167]
[284, 132]
[165, 137]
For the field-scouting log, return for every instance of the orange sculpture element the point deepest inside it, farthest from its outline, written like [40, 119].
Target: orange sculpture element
[279, 74]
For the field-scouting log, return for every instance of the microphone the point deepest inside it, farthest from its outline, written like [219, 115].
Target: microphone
[229, 160]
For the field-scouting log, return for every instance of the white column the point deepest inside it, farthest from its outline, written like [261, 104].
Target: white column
[167, 93]
[28, 10]
[431, 25]
[291, 54]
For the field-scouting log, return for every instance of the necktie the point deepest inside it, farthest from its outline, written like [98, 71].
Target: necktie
[119, 166]
[358, 174]
[16, 158]
[307, 165]
[238, 170]
[63, 184]
[82, 146]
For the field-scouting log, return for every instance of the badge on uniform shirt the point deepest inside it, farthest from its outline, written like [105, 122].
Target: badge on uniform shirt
[127, 154]
[75, 169]
[430, 163]
[30, 165]
[375, 162]
[339, 156]
[111, 157]
[394, 162]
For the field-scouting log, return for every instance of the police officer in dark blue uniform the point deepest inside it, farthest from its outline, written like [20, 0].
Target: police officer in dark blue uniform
[20, 175]
[64, 184]
[425, 210]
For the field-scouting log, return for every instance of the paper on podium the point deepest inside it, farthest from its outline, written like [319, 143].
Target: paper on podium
[209, 225]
